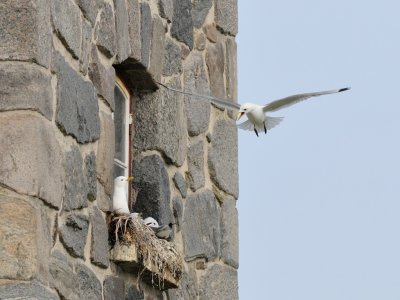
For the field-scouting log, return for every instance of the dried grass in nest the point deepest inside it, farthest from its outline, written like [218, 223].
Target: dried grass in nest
[163, 255]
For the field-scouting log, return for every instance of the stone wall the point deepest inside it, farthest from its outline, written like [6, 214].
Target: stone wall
[58, 62]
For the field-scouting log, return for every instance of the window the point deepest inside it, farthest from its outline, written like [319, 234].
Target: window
[122, 130]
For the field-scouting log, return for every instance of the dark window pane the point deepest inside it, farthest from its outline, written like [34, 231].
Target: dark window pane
[120, 123]
[118, 171]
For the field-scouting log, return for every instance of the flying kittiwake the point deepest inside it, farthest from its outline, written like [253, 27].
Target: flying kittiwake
[257, 120]
[120, 195]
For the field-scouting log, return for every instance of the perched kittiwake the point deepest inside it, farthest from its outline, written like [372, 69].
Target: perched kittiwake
[164, 231]
[257, 120]
[161, 231]
[120, 195]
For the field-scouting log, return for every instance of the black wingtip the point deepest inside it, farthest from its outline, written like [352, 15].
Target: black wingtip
[344, 89]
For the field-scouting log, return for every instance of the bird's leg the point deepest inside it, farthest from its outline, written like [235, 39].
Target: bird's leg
[255, 130]
[265, 128]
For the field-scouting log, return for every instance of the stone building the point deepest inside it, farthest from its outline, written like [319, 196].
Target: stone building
[79, 104]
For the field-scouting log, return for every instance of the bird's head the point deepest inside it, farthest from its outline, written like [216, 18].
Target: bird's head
[245, 109]
[122, 180]
[151, 222]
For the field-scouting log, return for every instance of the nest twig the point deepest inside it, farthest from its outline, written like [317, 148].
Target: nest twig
[163, 255]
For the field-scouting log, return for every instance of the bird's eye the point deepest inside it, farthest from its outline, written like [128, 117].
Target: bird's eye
[245, 109]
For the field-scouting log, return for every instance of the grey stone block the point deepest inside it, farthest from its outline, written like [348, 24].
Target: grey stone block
[54, 230]
[133, 293]
[216, 66]
[180, 184]
[226, 16]
[105, 31]
[187, 288]
[157, 48]
[201, 226]
[73, 234]
[182, 23]
[177, 208]
[91, 176]
[122, 31]
[103, 78]
[166, 9]
[87, 32]
[231, 69]
[77, 107]
[211, 32]
[195, 79]
[230, 232]
[26, 290]
[105, 152]
[159, 123]
[25, 86]
[200, 11]
[76, 188]
[114, 288]
[90, 9]
[32, 166]
[172, 58]
[67, 22]
[99, 251]
[62, 276]
[24, 247]
[146, 29]
[47, 217]
[219, 282]
[134, 29]
[89, 285]
[200, 41]
[152, 183]
[196, 166]
[25, 31]
[103, 200]
[223, 157]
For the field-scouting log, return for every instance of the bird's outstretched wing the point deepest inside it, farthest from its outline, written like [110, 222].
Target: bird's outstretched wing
[225, 103]
[271, 122]
[217, 101]
[285, 102]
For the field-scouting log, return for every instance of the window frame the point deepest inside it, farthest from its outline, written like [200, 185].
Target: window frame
[116, 162]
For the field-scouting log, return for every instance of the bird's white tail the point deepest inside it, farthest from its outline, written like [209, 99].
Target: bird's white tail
[270, 123]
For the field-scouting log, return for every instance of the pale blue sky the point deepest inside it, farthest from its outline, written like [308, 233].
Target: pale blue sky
[319, 205]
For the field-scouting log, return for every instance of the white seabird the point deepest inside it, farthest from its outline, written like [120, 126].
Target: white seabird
[151, 222]
[257, 120]
[120, 195]
[161, 231]
[164, 231]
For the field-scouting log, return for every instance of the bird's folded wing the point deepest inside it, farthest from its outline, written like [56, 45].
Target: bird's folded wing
[285, 102]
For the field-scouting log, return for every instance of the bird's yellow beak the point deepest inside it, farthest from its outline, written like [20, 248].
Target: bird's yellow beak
[239, 115]
[130, 178]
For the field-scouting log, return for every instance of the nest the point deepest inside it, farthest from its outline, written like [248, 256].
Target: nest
[162, 255]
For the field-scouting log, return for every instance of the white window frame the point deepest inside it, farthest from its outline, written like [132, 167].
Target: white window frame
[117, 162]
